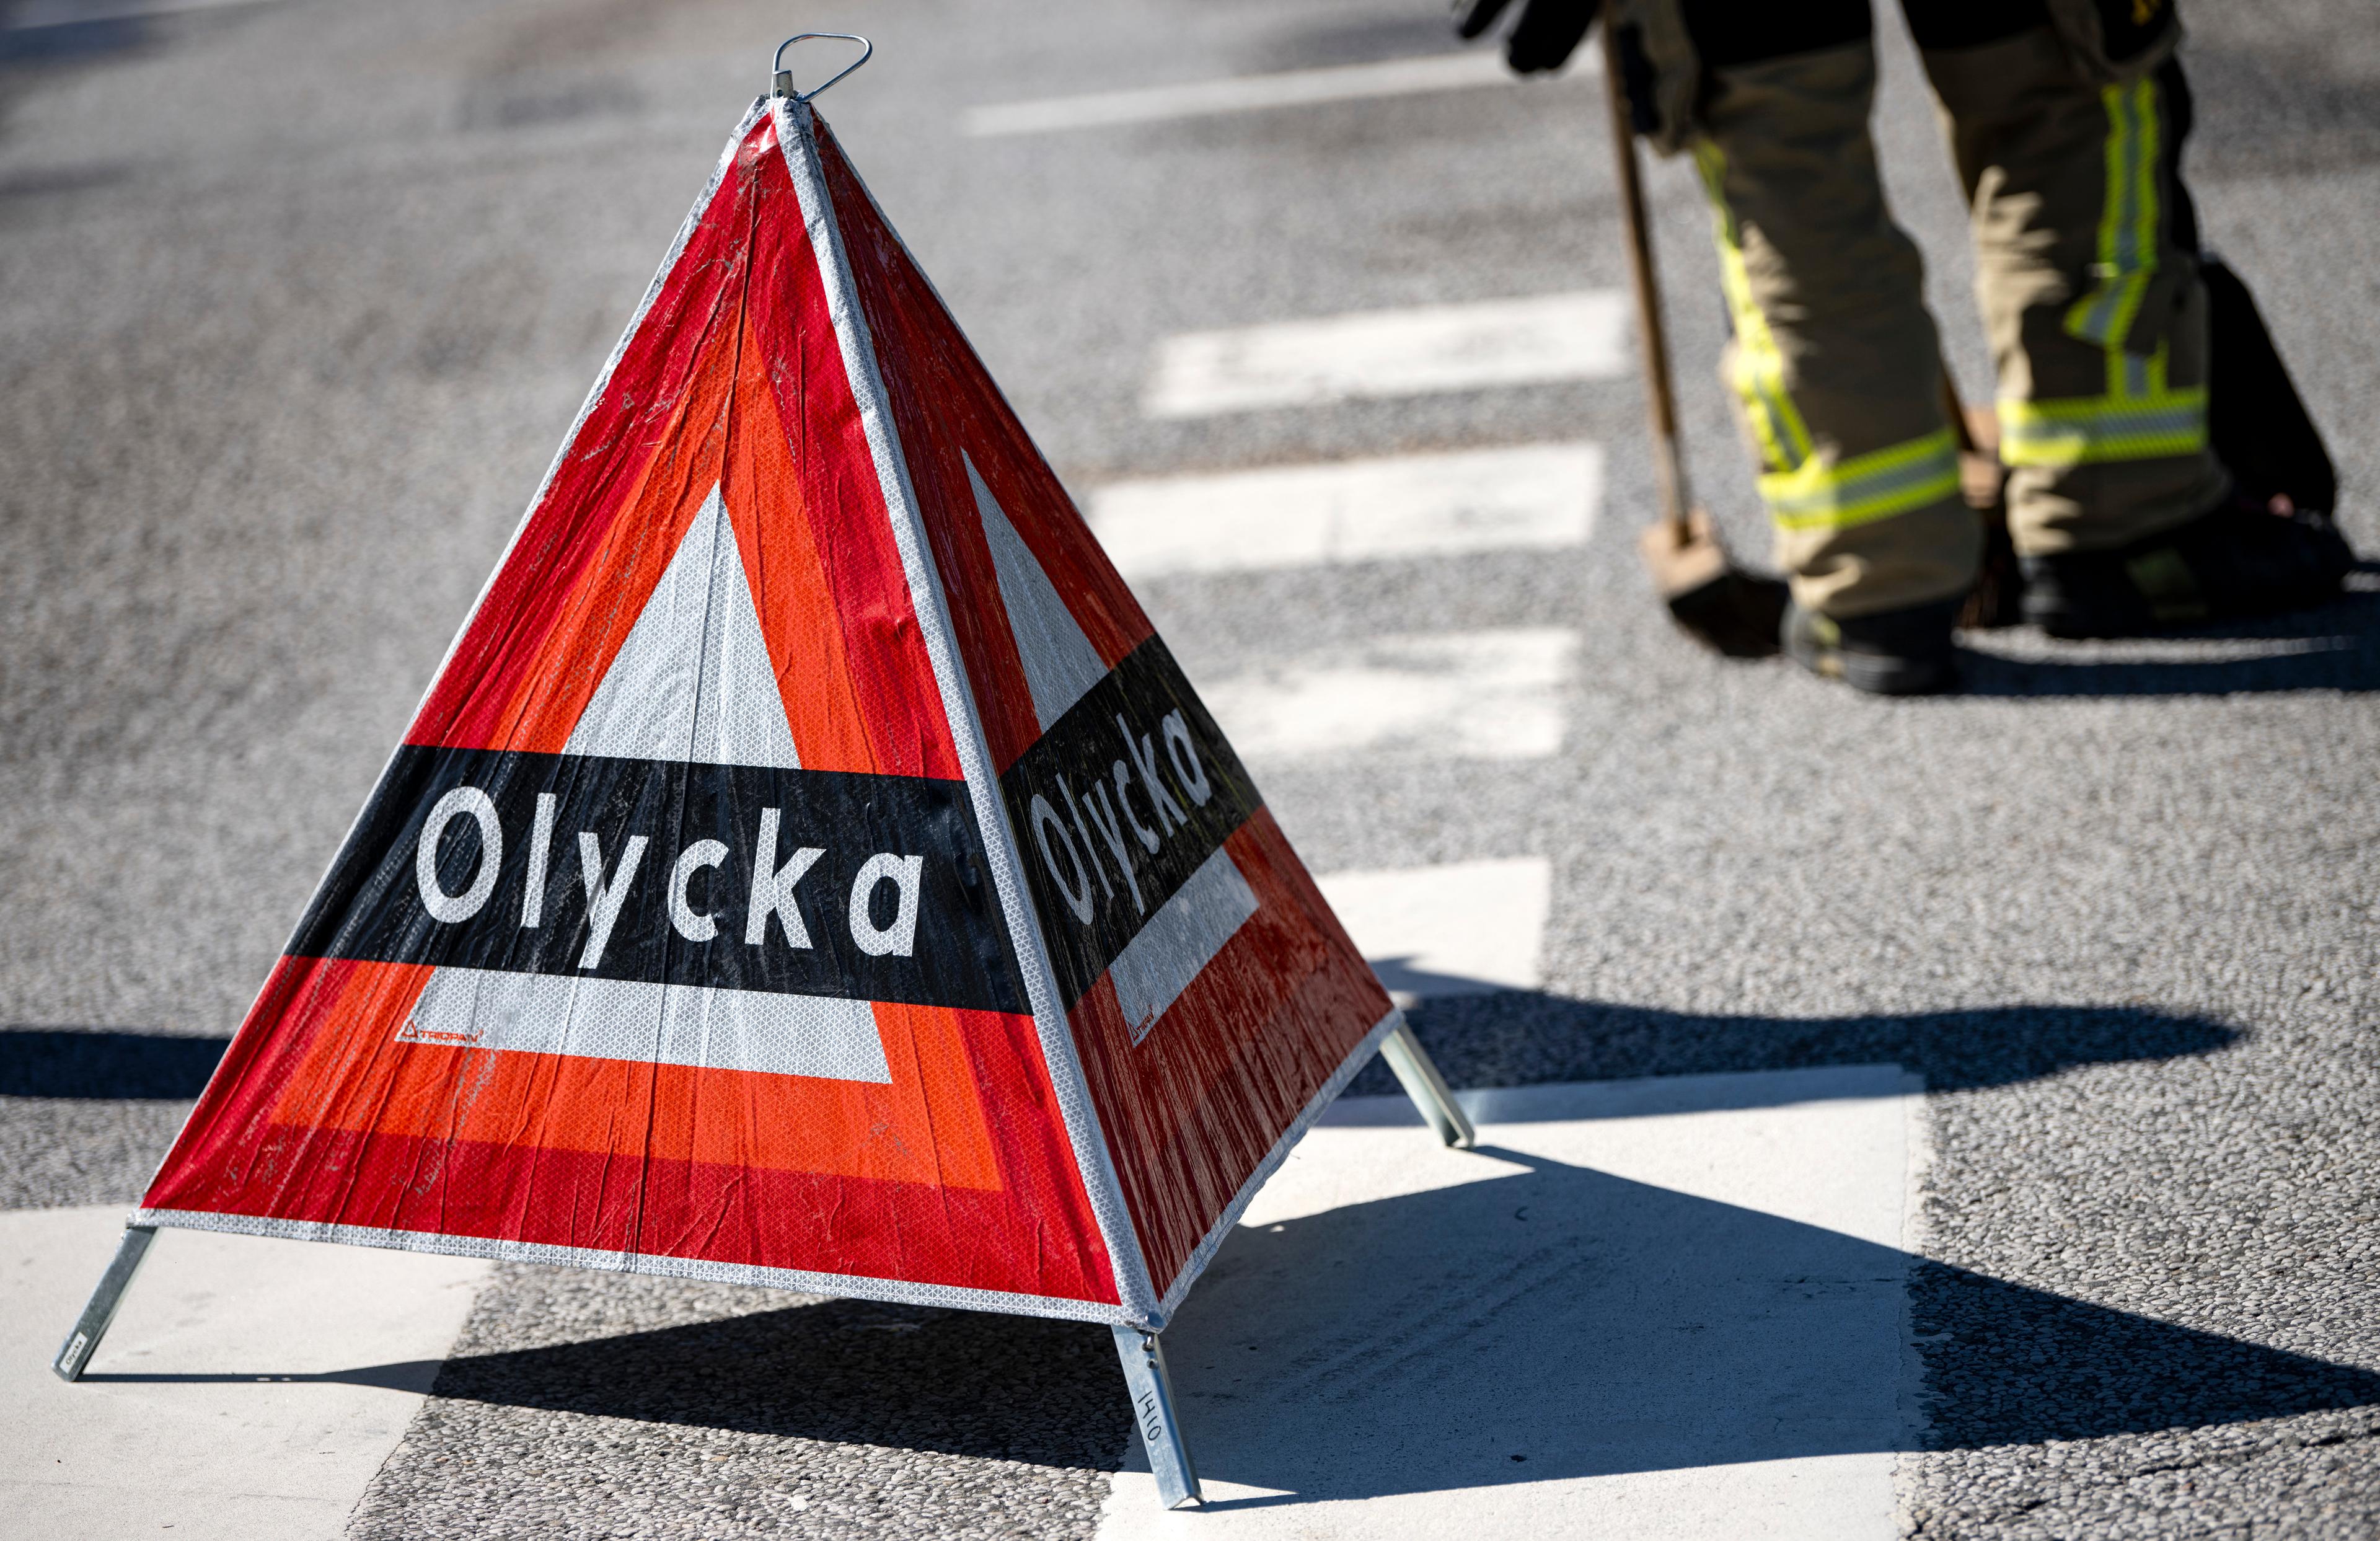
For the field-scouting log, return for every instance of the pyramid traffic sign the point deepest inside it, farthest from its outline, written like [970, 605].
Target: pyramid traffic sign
[808, 866]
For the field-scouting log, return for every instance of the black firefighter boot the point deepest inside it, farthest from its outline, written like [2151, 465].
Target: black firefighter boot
[1894, 652]
[2236, 562]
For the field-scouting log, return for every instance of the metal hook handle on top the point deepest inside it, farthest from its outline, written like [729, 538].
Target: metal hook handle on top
[782, 79]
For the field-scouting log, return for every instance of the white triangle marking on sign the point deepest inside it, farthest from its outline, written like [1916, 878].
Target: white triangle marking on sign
[670, 1025]
[692, 683]
[1180, 941]
[1059, 662]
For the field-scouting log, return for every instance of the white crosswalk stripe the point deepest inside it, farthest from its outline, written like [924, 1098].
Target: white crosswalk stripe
[1460, 928]
[1482, 695]
[1243, 93]
[1535, 497]
[1380, 354]
[248, 1391]
[1669, 1309]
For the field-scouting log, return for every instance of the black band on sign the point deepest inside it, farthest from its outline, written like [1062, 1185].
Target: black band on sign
[1117, 805]
[803, 882]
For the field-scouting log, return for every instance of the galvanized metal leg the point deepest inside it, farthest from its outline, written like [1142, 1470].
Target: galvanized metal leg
[1427, 1087]
[83, 1341]
[1152, 1410]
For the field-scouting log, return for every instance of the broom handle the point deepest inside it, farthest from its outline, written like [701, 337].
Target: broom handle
[1957, 412]
[1668, 467]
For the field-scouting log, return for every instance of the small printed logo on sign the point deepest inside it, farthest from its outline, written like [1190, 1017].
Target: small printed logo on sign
[416, 1031]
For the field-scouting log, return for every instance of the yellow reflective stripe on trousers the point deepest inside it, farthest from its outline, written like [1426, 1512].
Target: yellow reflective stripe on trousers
[2078, 432]
[2139, 418]
[1759, 367]
[1804, 490]
[1877, 485]
[2127, 223]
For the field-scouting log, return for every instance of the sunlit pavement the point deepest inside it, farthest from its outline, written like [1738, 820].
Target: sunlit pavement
[296, 298]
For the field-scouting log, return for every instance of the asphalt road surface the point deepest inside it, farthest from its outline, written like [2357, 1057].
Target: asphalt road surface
[296, 298]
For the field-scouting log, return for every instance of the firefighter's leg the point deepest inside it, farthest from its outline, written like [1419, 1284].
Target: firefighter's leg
[2122, 510]
[2096, 312]
[1835, 362]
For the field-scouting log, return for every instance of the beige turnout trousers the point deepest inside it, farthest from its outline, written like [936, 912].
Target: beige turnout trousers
[2097, 320]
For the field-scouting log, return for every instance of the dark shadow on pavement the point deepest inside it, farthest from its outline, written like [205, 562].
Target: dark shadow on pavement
[64, 32]
[2008, 1366]
[2336, 648]
[405, 1374]
[961, 1382]
[67, 39]
[1506, 1037]
[104, 1064]
[1582, 1322]
[1585, 1322]
[1522, 1037]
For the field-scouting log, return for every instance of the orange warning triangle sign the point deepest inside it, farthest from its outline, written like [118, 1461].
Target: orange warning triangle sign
[808, 865]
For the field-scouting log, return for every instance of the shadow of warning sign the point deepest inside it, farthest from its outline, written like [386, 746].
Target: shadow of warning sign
[1683, 1303]
[104, 1064]
[1676, 1307]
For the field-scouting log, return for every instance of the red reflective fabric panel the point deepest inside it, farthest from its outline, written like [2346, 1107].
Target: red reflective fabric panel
[1192, 1109]
[348, 1098]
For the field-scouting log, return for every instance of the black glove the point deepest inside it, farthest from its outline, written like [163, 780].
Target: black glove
[1545, 37]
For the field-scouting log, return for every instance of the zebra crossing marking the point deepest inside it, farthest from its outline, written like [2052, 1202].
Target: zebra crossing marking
[1417, 350]
[1479, 695]
[1530, 497]
[1601, 1322]
[1245, 94]
[1466, 928]
[250, 1391]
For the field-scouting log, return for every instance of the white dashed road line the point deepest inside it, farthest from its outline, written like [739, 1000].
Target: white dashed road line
[1670, 1310]
[1534, 497]
[247, 1391]
[1463, 929]
[1377, 354]
[1293, 87]
[1481, 695]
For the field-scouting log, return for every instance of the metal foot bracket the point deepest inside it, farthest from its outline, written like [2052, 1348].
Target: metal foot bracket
[1152, 1411]
[1427, 1087]
[83, 1341]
